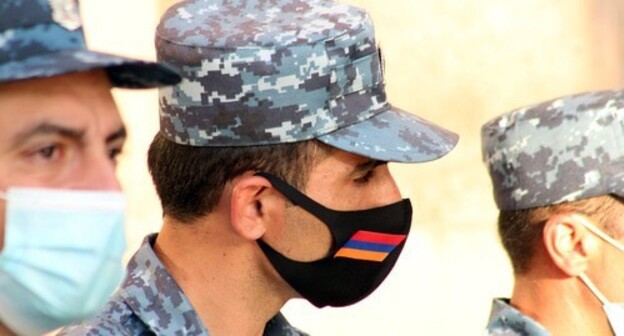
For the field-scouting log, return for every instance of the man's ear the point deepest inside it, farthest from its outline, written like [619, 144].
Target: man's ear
[568, 244]
[255, 205]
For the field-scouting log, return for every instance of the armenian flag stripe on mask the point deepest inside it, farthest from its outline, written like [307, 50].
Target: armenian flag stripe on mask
[368, 245]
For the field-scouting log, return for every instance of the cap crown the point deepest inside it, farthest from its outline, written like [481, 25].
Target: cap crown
[44, 38]
[33, 27]
[263, 72]
[561, 150]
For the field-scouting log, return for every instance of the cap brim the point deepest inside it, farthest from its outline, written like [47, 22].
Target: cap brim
[123, 72]
[394, 136]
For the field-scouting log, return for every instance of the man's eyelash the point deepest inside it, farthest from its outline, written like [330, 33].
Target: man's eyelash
[366, 177]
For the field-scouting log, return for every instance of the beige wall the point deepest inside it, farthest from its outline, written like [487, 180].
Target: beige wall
[458, 63]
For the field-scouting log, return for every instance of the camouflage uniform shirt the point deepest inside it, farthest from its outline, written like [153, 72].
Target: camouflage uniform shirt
[149, 302]
[506, 320]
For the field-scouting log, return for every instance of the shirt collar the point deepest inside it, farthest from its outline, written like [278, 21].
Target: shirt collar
[506, 318]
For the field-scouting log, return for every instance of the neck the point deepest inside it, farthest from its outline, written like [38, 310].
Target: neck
[563, 305]
[223, 275]
[4, 331]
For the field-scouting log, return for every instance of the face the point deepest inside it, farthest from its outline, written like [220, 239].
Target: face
[60, 132]
[341, 181]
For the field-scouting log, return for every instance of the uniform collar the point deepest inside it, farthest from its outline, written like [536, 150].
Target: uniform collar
[155, 298]
[507, 320]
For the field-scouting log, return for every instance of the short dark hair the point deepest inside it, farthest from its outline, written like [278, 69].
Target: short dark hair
[189, 180]
[521, 230]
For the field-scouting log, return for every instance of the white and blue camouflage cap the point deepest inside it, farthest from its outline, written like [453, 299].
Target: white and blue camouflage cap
[260, 72]
[44, 38]
[562, 150]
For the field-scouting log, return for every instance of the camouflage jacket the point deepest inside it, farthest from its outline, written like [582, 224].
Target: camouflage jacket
[506, 320]
[149, 302]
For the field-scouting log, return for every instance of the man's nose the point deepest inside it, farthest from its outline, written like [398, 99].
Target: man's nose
[387, 191]
[99, 173]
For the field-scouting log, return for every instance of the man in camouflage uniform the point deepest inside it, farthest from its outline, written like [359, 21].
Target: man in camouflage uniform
[60, 132]
[271, 168]
[558, 174]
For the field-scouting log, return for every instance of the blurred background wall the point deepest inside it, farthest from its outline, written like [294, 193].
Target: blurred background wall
[457, 63]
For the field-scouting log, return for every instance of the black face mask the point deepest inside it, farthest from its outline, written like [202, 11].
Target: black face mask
[365, 246]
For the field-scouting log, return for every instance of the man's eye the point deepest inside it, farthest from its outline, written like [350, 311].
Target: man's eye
[113, 153]
[48, 152]
[365, 178]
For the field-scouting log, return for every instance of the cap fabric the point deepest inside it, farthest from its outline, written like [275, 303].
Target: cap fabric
[561, 150]
[44, 38]
[261, 72]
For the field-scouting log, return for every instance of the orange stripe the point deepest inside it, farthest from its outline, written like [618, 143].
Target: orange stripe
[359, 254]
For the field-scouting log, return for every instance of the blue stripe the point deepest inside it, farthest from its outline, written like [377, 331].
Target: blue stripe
[360, 245]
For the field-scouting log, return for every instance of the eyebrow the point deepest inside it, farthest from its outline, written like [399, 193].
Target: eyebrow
[119, 134]
[367, 165]
[47, 128]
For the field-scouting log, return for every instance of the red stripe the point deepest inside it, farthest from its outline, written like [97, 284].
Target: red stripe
[376, 237]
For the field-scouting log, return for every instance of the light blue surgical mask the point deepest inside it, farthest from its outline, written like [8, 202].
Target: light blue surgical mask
[614, 311]
[62, 256]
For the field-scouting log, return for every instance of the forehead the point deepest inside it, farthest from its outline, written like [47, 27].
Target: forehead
[79, 83]
[336, 162]
[79, 100]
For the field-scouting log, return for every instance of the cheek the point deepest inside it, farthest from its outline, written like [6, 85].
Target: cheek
[609, 277]
[380, 192]
[2, 223]
[303, 237]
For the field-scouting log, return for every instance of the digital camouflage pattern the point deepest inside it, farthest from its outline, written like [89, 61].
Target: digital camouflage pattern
[506, 320]
[259, 72]
[44, 38]
[561, 150]
[149, 302]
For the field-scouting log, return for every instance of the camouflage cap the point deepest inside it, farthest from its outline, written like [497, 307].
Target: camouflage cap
[258, 72]
[561, 150]
[44, 38]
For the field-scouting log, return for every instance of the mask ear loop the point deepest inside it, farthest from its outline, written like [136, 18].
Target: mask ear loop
[593, 289]
[298, 198]
[593, 229]
[601, 234]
